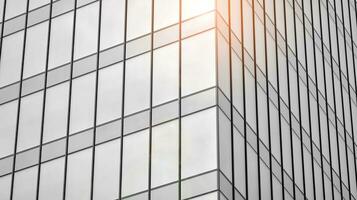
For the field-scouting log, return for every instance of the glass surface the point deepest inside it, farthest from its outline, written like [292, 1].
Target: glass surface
[36, 49]
[139, 18]
[37, 3]
[5, 186]
[195, 138]
[165, 77]
[61, 40]
[30, 121]
[82, 103]
[14, 8]
[51, 182]
[166, 13]
[110, 93]
[191, 8]
[137, 86]
[112, 23]
[198, 62]
[11, 56]
[56, 109]
[25, 184]
[8, 118]
[164, 153]
[135, 163]
[86, 34]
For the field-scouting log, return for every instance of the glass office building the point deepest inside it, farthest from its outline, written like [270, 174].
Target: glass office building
[178, 99]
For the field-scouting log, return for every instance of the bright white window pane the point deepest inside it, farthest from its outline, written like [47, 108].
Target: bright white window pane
[199, 143]
[166, 13]
[5, 186]
[37, 3]
[137, 87]
[8, 117]
[51, 184]
[110, 93]
[210, 196]
[14, 8]
[139, 18]
[165, 153]
[198, 62]
[82, 103]
[79, 175]
[61, 40]
[86, 31]
[36, 49]
[25, 184]
[112, 24]
[165, 74]
[10, 63]
[106, 175]
[135, 163]
[55, 123]
[30, 121]
[191, 8]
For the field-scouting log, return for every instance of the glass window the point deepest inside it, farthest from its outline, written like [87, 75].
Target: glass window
[164, 153]
[165, 78]
[166, 13]
[5, 186]
[86, 31]
[112, 23]
[199, 143]
[37, 3]
[55, 123]
[106, 175]
[82, 103]
[36, 49]
[30, 121]
[139, 18]
[135, 163]
[61, 40]
[191, 8]
[198, 62]
[110, 93]
[25, 184]
[137, 87]
[79, 175]
[10, 64]
[8, 118]
[51, 182]
[14, 8]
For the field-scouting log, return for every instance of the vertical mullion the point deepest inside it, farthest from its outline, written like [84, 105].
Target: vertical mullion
[289, 100]
[256, 99]
[179, 102]
[69, 101]
[2, 27]
[268, 101]
[44, 101]
[19, 102]
[96, 99]
[123, 101]
[279, 110]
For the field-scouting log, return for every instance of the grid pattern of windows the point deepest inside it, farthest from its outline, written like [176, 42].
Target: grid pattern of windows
[178, 99]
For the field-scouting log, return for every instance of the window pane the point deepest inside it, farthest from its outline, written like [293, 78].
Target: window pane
[36, 49]
[51, 184]
[25, 184]
[8, 117]
[135, 163]
[191, 8]
[165, 74]
[10, 64]
[86, 31]
[110, 93]
[55, 123]
[61, 40]
[137, 87]
[198, 62]
[112, 24]
[139, 18]
[165, 153]
[37, 3]
[106, 175]
[79, 175]
[166, 13]
[14, 8]
[82, 103]
[195, 139]
[5, 186]
[30, 121]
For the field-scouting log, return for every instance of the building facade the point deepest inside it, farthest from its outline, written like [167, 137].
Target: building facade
[178, 99]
